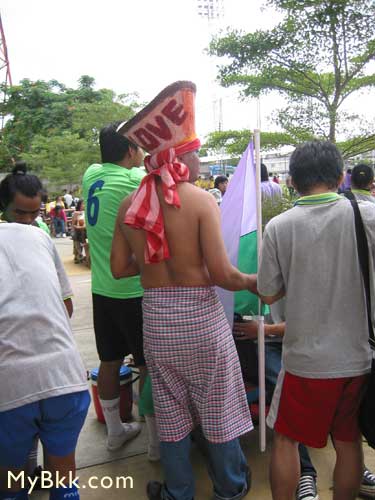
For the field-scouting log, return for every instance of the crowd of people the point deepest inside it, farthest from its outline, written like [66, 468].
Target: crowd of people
[157, 254]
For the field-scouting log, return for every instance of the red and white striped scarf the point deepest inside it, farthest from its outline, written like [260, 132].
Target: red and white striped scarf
[145, 211]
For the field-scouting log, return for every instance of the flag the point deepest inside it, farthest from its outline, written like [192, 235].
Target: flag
[239, 229]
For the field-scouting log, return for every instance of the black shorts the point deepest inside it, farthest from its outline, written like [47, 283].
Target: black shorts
[118, 326]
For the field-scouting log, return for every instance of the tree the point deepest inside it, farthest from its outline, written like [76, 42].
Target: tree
[235, 142]
[317, 57]
[55, 128]
[61, 159]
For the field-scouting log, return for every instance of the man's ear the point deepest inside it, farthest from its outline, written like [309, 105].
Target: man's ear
[341, 180]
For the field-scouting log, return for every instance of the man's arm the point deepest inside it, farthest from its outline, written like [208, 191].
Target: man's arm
[123, 263]
[221, 271]
[270, 299]
[248, 330]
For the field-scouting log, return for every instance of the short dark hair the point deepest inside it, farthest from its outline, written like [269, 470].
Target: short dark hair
[219, 180]
[314, 163]
[79, 204]
[113, 146]
[263, 173]
[19, 181]
[362, 176]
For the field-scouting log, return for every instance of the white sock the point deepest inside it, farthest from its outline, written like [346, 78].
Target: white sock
[32, 459]
[111, 412]
[152, 430]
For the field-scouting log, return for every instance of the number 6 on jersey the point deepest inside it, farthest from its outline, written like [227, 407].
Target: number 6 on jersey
[93, 203]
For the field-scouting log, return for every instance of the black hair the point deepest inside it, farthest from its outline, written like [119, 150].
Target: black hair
[79, 204]
[362, 176]
[314, 163]
[263, 173]
[19, 181]
[113, 146]
[219, 179]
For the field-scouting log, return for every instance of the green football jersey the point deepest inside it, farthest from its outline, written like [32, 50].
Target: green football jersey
[104, 187]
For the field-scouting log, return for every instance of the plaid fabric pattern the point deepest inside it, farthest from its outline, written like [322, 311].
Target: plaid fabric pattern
[193, 363]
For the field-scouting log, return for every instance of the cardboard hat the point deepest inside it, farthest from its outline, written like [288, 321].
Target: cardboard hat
[167, 122]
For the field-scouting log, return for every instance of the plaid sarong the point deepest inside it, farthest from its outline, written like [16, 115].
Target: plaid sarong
[193, 363]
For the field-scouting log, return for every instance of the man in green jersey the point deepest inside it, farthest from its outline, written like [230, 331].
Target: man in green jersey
[117, 304]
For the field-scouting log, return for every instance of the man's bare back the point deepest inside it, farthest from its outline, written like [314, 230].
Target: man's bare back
[197, 252]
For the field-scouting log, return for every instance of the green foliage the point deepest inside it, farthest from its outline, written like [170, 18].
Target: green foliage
[55, 128]
[316, 57]
[235, 141]
[61, 159]
[271, 208]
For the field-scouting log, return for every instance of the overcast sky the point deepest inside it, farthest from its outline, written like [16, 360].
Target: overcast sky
[131, 46]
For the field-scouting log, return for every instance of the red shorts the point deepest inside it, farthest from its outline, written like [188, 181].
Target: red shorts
[308, 410]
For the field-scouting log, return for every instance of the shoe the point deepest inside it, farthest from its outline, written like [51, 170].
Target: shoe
[153, 453]
[367, 488]
[64, 235]
[130, 431]
[307, 489]
[153, 490]
[58, 235]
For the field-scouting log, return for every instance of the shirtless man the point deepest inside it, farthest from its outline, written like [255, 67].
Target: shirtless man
[188, 345]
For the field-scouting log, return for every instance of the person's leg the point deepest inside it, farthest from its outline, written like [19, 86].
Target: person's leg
[18, 429]
[307, 489]
[273, 351]
[111, 347]
[284, 467]
[307, 467]
[228, 469]
[57, 226]
[63, 228]
[58, 467]
[175, 458]
[348, 472]
[62, 419]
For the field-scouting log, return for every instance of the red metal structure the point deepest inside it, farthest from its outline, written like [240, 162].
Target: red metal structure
[5, 76]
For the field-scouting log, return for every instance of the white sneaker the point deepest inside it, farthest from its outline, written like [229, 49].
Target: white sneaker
[130, 431]
[64, 235]
[307, 489]
[153, 453]
[58, 235]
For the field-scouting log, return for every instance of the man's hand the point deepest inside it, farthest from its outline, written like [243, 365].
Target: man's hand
[246, 330]
[253, 284]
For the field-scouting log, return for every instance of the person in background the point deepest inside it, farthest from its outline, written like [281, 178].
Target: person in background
[211, 182]
[221, 183]
[21, 196]
[362, 181]
[117, 304]
[43, 391]
[276, 179]
[347, 182]
[58, 217]
[68, 199]
[269, 189]
[326, 354]
[79, 231]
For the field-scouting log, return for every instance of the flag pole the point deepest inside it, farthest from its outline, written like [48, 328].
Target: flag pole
[260, 318]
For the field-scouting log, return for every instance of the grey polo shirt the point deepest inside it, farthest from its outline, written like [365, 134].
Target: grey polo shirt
[311, 251]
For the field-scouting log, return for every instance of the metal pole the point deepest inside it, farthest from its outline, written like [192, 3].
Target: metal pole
[260, 318]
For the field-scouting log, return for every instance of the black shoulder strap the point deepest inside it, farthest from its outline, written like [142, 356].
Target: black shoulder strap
[363, 255]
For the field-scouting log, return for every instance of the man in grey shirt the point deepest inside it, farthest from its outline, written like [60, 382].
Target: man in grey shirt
[326, 356]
